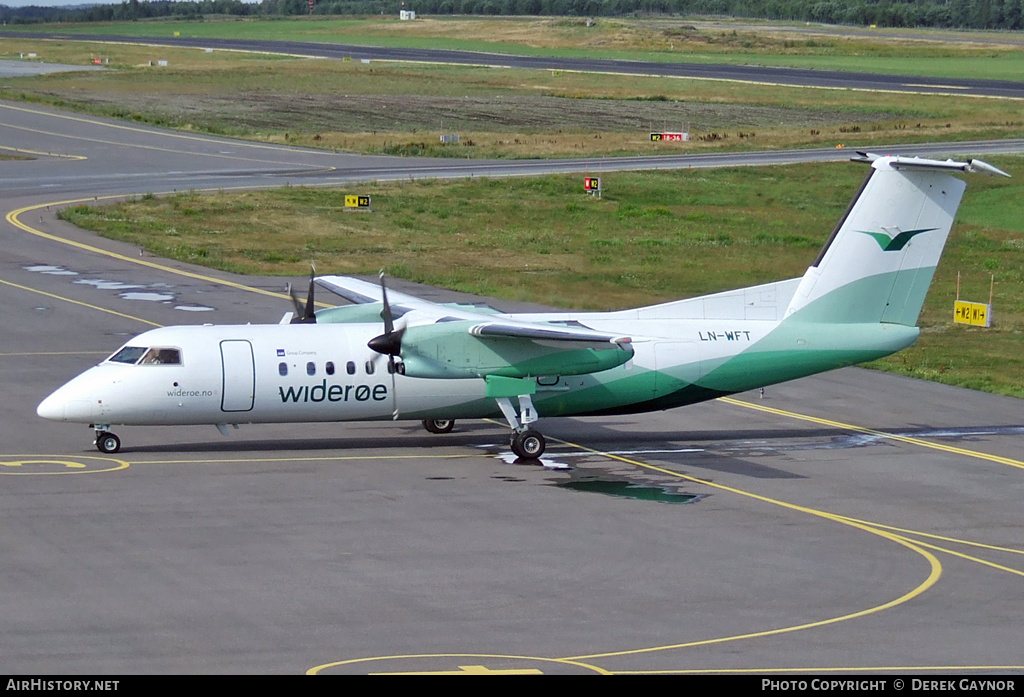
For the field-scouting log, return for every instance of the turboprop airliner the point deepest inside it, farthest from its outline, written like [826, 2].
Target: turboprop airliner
[391, 355]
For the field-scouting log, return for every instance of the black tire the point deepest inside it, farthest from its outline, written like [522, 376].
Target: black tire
[528, 445]
[108, 443]
[439, 425]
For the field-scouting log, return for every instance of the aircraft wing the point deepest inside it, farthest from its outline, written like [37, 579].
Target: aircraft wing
[461, 341]
[362, 292]
[508, 348]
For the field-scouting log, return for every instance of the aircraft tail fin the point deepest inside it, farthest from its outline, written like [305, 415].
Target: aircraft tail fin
[879, 262]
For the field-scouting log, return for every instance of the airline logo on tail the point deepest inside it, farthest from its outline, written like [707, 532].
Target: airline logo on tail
[894, 244]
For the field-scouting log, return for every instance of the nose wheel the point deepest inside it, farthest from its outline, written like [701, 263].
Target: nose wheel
[107, 442]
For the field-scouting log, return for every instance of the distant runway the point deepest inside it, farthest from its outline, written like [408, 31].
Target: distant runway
[850, 522]
[766, 75]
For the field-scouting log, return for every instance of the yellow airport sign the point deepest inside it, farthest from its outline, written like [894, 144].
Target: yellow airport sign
[977, 314]
[357, 201]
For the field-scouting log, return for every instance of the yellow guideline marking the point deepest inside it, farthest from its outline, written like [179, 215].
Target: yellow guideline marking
[954, 540]
[837, 669]
[77, 302]
[933, 576]
[69, 466]
[417, 656]
[891, 436]
[331, 458]
[62, 463]
[471, 670]
[13, 219]
[983, 562]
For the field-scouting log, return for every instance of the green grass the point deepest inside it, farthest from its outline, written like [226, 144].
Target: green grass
[394, 108]
[639, 40]
[653, 237]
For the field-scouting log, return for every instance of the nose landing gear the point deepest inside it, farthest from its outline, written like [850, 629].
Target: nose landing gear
[106, 442]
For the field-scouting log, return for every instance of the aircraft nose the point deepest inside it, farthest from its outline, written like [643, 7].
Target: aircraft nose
[71, 402]
[51, 408]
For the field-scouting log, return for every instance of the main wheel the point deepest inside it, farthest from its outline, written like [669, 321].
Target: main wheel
[439, 425]
[528, 444]
[107, 442]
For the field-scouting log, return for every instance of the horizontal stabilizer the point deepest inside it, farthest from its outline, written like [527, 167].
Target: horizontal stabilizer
[897, 162]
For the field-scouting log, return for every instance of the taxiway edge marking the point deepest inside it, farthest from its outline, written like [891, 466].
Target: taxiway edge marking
[999, 459]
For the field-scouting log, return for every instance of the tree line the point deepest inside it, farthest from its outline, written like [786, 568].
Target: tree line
[963, 14]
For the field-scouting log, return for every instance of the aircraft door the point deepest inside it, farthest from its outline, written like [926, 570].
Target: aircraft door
[239, 371]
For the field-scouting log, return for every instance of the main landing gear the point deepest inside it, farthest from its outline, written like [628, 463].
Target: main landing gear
[527, 443]
[106, 442]
[439, 425]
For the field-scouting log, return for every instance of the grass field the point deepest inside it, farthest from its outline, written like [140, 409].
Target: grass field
[402, 108]
[653, 237]
[907, 52]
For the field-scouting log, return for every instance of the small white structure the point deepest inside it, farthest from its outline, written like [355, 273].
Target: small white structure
[407, 14]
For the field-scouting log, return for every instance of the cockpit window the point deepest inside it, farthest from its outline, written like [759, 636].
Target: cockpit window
[161, 356]
[129, 354]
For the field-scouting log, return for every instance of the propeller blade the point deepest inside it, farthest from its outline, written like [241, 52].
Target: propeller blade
[393, 369]
[310, 314]
[390, 342]
[307, 314]
[386, 314]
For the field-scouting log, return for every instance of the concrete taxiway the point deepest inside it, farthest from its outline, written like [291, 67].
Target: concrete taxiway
[852, 521]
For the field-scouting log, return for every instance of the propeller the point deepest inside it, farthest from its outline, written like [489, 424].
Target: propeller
[390, 342]
[307, 314]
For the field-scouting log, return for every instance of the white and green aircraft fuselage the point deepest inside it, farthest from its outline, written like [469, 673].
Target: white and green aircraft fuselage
[858, 301]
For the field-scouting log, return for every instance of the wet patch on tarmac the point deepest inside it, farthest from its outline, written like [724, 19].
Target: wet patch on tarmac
[624, 488]
[154, 292]
[51, 270]
[863, 440]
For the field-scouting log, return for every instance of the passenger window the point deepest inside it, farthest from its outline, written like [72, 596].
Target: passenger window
[350, 368]
[161, 356]
[282, 368]
[330, 367]
[369, 367]
[311, 368]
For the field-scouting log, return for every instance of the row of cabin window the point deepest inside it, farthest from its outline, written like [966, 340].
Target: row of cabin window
[350, 368]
